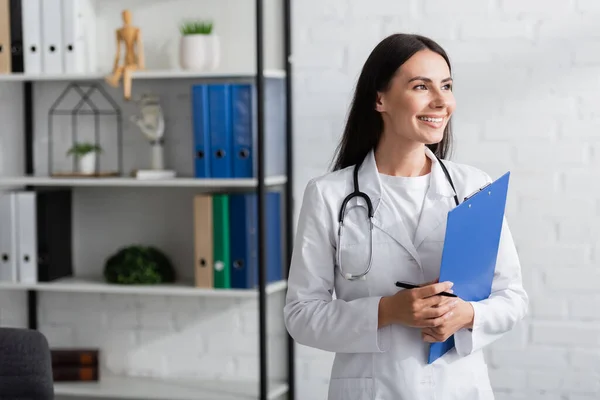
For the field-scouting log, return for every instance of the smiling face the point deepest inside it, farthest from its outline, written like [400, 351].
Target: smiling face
[419, 101]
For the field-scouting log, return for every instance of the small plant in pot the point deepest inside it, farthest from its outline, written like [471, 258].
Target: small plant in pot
[199, 46]
[139, 265]
[85, 152]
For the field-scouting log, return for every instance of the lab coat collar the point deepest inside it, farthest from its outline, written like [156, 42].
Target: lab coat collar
[435, 206]
[368, 178]
[437, 201]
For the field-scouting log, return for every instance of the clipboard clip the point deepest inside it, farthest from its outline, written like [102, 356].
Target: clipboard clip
[477, 191]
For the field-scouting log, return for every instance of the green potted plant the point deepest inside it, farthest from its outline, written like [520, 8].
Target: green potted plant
[139, 265]
[85, 152]
[199, 46]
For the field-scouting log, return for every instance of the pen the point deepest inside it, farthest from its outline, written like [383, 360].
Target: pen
[411, 286]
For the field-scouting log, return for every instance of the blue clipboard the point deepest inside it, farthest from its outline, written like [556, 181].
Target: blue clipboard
[471, 247]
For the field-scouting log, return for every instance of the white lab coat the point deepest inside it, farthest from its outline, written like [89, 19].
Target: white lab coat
[326, 311]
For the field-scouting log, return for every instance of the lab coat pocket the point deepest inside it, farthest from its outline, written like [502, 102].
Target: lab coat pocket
[351, 389]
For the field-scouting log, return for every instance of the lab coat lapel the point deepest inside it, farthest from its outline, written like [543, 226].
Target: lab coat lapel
[438, 201]
[385, 217]
[390, 221]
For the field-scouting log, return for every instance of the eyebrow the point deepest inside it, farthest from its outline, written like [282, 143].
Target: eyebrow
[422, 78]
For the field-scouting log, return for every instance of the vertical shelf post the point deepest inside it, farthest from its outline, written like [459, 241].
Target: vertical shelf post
[289, 185]
[28, 126]
[262, 306]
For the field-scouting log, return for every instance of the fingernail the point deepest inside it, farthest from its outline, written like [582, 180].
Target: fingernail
[451, 284]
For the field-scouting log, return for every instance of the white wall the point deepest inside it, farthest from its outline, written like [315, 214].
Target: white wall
[526, 83]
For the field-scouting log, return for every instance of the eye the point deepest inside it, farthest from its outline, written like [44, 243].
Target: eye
[448, 87]
[420, 87]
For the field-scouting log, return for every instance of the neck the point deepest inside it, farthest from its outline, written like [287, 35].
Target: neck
[399, 158]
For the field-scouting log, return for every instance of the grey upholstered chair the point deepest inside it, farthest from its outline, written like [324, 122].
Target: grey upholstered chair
[25, 365]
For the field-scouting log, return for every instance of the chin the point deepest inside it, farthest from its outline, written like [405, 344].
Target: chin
[430, 136]
[432, 139]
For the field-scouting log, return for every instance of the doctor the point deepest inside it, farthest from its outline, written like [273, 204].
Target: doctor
[396, 136]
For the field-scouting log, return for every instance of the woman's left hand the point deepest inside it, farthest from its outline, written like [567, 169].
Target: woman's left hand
[462, 317]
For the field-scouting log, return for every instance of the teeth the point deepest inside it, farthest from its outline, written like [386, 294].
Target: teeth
[431, 119]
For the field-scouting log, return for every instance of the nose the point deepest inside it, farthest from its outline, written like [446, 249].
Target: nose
[438, 100]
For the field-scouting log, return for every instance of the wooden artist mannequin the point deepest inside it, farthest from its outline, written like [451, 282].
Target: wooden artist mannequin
[131, 36]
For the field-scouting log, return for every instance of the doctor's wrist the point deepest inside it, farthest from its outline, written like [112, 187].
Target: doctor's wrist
[384, 315]
[469, 314]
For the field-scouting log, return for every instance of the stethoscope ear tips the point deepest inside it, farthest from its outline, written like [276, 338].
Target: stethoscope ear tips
[348, 275]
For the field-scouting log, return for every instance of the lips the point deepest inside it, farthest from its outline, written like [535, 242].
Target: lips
[434, 122]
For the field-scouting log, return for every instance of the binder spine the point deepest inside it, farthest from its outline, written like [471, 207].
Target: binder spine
[52, 21]
[274, 242]
[27, 237]
[5, 42]
[73, 36]
[8, 238]
[203, 240]
[32, 37]
[244, 241]
[242, 117]
[221, 160]
[222, 255]
[201, 130]
[16, 36]
[275, 127]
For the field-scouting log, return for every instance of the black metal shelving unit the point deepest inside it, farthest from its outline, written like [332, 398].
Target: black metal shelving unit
[28, 124]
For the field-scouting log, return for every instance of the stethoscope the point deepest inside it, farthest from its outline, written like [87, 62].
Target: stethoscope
[358, 193]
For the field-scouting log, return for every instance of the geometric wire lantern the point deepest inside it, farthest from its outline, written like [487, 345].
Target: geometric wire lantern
[91, 110]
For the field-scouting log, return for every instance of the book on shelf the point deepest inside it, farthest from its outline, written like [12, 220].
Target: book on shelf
[35, 236]
[75, 364]
[47, 36]
[79, 373]
[226, 240]
[224, 125]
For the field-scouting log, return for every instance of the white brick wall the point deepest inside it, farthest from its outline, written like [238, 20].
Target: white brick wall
[526, 82]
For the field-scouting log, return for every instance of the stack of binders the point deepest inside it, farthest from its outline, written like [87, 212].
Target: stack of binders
[35, 236]
[224, 119]
[47, 36]
[226, 240]
[70, 365]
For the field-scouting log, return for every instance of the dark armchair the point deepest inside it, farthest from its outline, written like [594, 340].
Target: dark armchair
[25, 365]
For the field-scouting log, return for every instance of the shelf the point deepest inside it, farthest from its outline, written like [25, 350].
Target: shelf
[209, 184]
[110, 387]
[149, 74]
[96, 285]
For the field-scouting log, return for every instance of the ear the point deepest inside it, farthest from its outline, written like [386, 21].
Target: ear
[379, 102]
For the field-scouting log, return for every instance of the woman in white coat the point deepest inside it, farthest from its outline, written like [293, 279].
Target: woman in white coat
[397, 132]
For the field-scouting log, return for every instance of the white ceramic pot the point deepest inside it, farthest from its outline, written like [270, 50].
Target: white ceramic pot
[199, 52]
[87, 163]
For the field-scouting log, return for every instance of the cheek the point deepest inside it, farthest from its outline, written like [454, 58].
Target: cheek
[408, 109]
[451, 104]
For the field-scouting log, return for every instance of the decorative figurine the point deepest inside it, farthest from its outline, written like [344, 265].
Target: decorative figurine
[131, 37]
[151, 123]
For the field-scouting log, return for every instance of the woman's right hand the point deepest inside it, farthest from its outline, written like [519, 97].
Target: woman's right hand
[421, 307]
